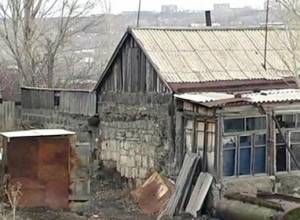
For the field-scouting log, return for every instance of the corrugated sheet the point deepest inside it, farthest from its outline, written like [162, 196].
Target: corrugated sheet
[204, 97]
[205, 55]
[284, 95]
[265, 96]
[37, 133]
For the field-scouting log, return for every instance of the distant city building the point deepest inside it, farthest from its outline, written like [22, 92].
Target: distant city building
[221, 7]
[169, 8]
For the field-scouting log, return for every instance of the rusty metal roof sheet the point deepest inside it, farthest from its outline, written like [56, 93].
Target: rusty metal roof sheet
[265, 96]
[37, 133]
[215, 54]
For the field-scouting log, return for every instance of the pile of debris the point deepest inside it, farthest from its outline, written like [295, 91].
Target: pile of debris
[159, 196]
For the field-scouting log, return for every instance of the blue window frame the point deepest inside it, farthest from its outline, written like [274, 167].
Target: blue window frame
[244, 146]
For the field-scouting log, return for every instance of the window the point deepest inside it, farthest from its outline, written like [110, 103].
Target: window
[229, 155]
[245, 152]
[281, 154]
[244, 124]
[245, 155]
[255, 123]
[289, 125]
[288, 120]
[295, 148]
[260, 144]
[234, 125]
[284, 161]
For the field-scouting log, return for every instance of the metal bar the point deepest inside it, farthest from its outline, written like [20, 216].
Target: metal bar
[266, 35]
[139, 14]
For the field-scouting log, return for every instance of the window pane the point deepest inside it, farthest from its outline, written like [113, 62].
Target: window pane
[245, 141]
[260, 160]
[255, 123]
[280, 158]
[229, 162]
[295, 137]
[260, 139]
[296, 150]
[279, 139]
[234, 125]
[286, 121]
[229, 142]
[245, 161]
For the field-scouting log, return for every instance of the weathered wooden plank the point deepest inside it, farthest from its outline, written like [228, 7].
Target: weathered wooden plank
[134, 69]
[143, 73]
[183, 176]
[199, 194]
[149, 79]
[128, 67]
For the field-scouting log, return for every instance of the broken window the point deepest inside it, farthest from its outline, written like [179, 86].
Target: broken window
[244, 153]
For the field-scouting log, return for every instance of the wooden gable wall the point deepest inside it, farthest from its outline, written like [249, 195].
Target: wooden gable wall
[131, 72]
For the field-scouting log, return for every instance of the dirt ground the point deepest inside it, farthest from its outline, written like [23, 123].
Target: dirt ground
[110, 200]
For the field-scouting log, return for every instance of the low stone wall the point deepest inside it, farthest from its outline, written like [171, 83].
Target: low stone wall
[52, 119]
[288, 183]
[135, 133]
[249, 185]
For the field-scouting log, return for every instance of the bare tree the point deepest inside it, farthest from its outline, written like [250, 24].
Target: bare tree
[290, 14]
[36, 31]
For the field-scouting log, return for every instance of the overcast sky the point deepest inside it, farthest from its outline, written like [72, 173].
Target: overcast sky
[154, 5]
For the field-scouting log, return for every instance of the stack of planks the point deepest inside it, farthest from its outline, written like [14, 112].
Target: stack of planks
[188, 198]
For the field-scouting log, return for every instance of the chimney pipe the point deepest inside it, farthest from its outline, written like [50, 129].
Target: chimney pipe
[208, 18]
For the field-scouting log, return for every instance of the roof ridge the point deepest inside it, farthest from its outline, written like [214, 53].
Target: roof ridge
[219, 28]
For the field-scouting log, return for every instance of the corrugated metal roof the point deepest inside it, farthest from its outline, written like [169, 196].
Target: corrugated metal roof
[283, 95]
[204, 97]
[206, 55]
[37, 133]
[265, 96]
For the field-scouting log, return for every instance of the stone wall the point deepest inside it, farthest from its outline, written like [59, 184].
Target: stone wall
[52, 119]
[136, 133]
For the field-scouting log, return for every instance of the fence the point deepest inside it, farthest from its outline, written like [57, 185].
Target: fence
[8, 116]
[79, 102]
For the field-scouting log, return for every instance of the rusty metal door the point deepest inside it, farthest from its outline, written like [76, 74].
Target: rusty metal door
[80, 179]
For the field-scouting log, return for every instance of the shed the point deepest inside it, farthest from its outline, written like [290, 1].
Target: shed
[41, 161]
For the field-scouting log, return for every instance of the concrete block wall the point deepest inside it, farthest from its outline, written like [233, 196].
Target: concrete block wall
[135, 133]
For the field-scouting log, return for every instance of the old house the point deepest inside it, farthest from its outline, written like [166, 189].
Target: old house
[169, 91]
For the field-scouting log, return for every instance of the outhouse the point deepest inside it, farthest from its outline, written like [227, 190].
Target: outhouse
[42, 161]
